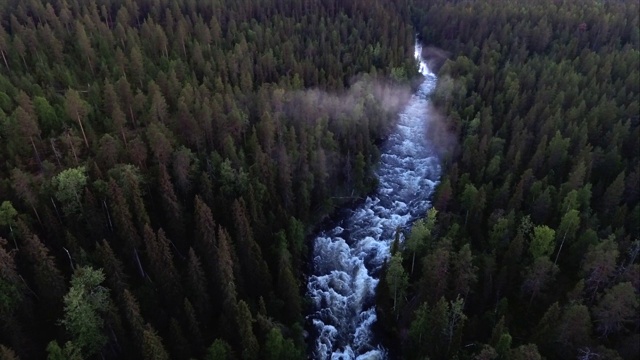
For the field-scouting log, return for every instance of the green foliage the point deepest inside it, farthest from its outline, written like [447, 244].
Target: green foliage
[397, 280]
[277, 347]
[420, 236]
[503, 345]
[617, 309]
[49, 121]
[244, 320]
[10, 287]
[542, 242]
[219, 350]
[68, 352]
[68, 185]
[420, 329]
[84, 306]
[7, 214]
[440, 327]
[546, 163]
[525, 352]
[152, 345]
[212, 99]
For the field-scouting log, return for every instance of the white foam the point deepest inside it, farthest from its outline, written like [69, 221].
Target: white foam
[342, 288]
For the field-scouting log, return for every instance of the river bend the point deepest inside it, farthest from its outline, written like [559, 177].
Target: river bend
[348, 256]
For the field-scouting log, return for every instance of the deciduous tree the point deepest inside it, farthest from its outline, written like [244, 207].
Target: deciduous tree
[84, 306]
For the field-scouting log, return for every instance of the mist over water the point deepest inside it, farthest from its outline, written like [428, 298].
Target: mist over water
[347, 257]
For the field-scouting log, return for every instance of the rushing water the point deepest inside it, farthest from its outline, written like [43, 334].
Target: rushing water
[347, 258]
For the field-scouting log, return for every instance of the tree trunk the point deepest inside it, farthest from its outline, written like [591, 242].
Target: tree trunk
[106, 209]
[36, 150]
[82, 129]
[91, 66]
[562, 244]
[560, 249]
[56, 209]
[69, 256]
[124, 137]
[395, 297]
[142, 273]
[37, 215]
[413, 261]
[133, 119]
[13, 237]
[73, 149]
[5, 60]
[55, 152]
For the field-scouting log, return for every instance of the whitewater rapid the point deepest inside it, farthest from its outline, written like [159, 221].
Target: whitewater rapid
[348, 257]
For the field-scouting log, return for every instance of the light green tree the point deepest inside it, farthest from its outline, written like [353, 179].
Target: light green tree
[219, 350]
[7, 218]
[84, 305]
[568, 227]
[542, 243]
[68, 352]
[68, 185]
[278, 347]
[397, 279]
[468, 199]
[7, 214]
[421, 234]
[455, 322]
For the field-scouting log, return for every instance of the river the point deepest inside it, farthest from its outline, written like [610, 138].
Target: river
[348, 256]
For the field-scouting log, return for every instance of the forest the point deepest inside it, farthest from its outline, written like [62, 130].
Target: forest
[531, 248]
[163, 163]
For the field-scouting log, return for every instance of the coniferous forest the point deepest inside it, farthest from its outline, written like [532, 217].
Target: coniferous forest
[531, 248]
[162, 163]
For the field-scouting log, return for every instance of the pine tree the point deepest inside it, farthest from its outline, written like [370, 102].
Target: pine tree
[77, 110]
[277, 347]
[219, 350]
[205, 239]
[464, 272]
[195, 335]
[246, 337]
[196, 286]
[538, 276]
[116, 278]
[287, 286]
[161, 266]
[224, 272]
[48, 279]
[599, 266]
[574, 329]
[421, 235]
[170, 203]
[152, 346]
[255, 272]
[436, 268]
[9, 281]
[617, 308]
[613, 195]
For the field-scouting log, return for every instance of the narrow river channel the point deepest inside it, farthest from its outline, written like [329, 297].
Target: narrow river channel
[348, 256]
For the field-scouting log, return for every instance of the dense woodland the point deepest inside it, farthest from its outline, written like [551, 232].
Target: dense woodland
[531, 249]
[162, 162]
